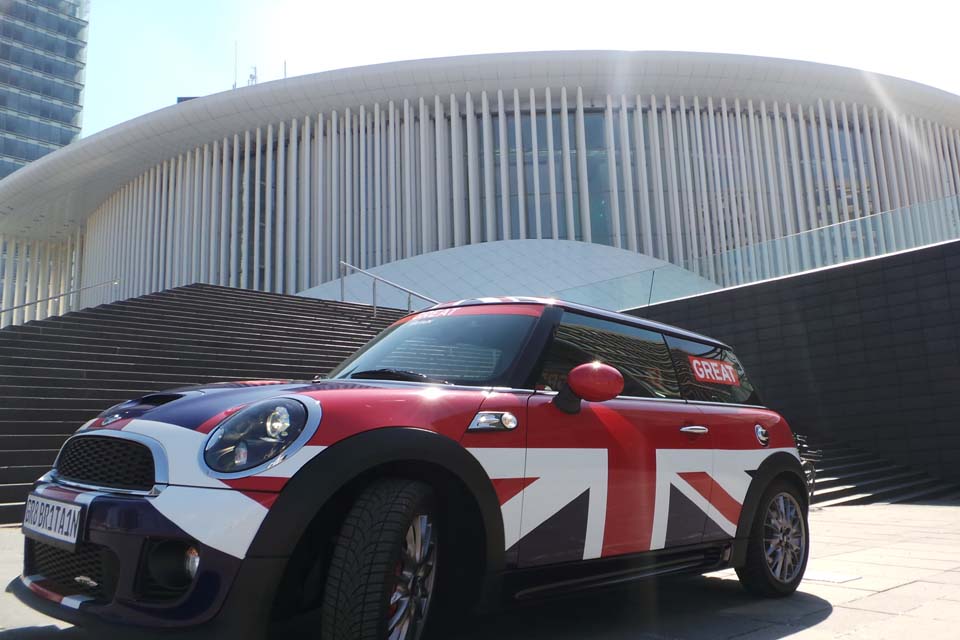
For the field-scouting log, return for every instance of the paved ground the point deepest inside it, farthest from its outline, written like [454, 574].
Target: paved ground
[877, 572]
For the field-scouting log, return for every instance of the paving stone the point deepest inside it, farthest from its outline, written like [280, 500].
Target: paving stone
[889, 586]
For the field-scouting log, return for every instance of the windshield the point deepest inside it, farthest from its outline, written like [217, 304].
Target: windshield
[466, 345]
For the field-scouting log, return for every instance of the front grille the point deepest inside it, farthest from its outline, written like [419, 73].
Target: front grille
[107, 462]
[96, 567]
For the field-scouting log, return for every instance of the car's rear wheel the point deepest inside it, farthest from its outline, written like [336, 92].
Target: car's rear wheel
[779, 543]
[383, 570]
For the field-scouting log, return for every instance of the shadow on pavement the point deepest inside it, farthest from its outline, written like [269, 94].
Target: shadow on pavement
[689, 608]
[692, 608]
[49, 632]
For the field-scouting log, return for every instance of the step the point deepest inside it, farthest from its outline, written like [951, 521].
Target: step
[33, 441]
[849, 467]
[936, 491]
[871, 497]
[846, 457]
[841, 490]
[11, 513]
[22, 457]
[17, 475]
[825, 481]
[15, 492]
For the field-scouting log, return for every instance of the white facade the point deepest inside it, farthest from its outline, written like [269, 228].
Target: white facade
[683, 157]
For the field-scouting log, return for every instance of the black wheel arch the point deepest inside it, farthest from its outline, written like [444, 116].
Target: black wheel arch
[779, 465]
[392, 451]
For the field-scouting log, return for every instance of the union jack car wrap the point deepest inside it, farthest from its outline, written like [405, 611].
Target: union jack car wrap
[546, 490]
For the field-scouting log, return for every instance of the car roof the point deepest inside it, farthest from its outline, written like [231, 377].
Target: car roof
[586, 309]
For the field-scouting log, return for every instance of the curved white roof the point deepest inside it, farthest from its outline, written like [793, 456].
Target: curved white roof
[582, 272]
[52, 195]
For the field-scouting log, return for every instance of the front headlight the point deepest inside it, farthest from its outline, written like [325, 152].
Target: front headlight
[255, 435]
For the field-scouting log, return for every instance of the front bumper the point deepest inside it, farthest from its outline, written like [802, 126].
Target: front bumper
[226, 598]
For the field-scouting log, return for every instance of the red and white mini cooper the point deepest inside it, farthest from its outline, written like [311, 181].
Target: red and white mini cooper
[477, 453]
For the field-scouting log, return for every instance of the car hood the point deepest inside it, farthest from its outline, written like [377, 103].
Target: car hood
[347, 405]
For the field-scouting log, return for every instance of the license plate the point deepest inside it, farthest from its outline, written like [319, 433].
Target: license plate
[52, 521]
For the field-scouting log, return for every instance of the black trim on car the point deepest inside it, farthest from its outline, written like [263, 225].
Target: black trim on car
[776, 464]
[333, 470]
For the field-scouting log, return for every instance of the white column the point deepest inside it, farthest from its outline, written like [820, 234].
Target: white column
[662, 251]
[206, 214]
[583, 184]
[408, 176]
[307, 205]
[460, 220]
[630, 212]
[226, 202]
[551, 166]
[256, 281]
[392, 178]
[441, 199]
[244, 273]
[567, 168]
[321, 212]
[363, 177]
[198, 216]
[269, 225]
[280, 223]
[611, 149]
[234, 232]
[504, 166]
[535, 166]
[380, 224]
[488, 184]
[291, 212]
[473, 173]
[522, 222]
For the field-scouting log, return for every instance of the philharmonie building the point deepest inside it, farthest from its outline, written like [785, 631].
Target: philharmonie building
[611, 178]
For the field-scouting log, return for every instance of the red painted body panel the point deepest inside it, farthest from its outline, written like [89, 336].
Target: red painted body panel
[347, 412]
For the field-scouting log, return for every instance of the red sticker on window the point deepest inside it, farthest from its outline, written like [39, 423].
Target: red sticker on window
[714, 371]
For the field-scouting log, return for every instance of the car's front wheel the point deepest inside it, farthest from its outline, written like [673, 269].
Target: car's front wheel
[383, 570]
[779, 543]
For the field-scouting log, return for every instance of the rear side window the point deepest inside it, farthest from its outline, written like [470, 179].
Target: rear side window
[640, 355]
[711, 374]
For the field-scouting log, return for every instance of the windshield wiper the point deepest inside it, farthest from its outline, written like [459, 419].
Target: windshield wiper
[394, 374]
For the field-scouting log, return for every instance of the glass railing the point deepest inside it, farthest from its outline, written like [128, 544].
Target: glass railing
[867, 237]
[638, 289]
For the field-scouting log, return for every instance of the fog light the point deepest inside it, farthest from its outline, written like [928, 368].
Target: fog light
[191, 562]
[173, 564]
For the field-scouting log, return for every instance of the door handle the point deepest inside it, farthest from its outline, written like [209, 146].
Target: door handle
[695, 430]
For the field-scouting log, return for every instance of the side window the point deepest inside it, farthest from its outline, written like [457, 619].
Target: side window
[640, 355]
[709, 373]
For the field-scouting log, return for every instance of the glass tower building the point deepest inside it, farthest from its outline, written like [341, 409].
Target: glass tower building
[42, 58]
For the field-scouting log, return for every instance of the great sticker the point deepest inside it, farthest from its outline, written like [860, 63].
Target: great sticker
[714, 371]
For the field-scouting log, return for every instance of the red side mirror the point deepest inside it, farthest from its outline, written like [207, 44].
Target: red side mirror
[595, 382]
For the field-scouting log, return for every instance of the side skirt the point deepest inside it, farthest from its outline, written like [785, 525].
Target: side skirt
[557, 580]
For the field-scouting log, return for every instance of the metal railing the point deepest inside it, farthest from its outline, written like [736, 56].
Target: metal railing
[23, 305]
[411, 294]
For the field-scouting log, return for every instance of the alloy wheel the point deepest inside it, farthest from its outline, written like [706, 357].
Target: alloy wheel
[415, 577]
[784, 537]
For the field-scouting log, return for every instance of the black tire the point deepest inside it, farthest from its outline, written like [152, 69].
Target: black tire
[756, 575]
[370, 558]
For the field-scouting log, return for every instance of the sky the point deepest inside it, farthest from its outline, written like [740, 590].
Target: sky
[143, 54]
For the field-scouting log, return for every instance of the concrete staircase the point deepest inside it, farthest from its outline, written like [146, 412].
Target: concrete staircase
[56, 374]
[849, 476]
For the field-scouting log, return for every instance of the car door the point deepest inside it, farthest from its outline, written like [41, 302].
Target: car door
[610, 480]
[714, 381]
